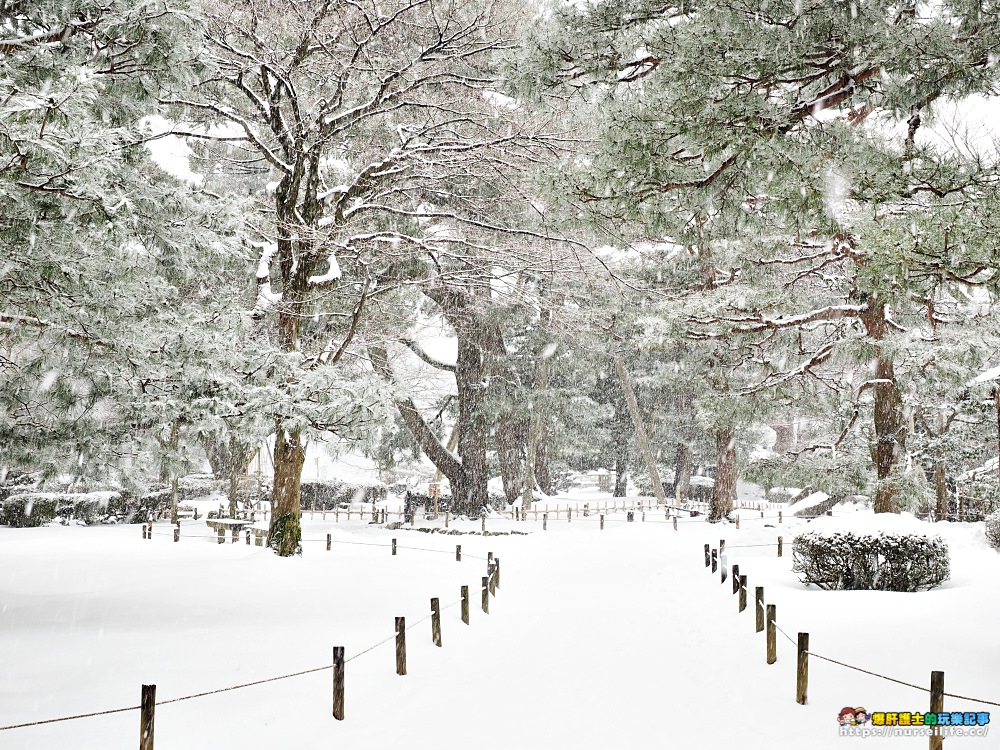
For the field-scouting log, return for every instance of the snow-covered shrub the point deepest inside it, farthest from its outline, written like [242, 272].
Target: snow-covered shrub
[26, 510]
[879, 562]
[326, 494]
[39, 508]
[993, 529]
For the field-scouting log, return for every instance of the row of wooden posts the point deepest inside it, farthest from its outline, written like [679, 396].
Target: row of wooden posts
[490, 584]
[147, 528]
[766, 620]
[381, 515]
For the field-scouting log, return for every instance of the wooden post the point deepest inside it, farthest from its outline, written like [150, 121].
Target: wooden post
[329, 542]
[759, 607]
[723, 570]
[146, 717]
[569, 514]
[336, 514]
[447, 518]
[772, 631]
[743, 592]
[937, 706]
[484, 524]
[802, 672]
[338, 683]
[708, 555]
[722, 547]
[493, 578]
[394, 546]
[779, 516]
[496, 571]
[779, 546]
[675, 523]
[737, 523]
[486, 595]
[436, 621]
[222, 536]
[602, 522]
[400, 645]
[177, 534]
[144, 531]
[715, 561]
[465, 604]
[248, 537]
[458, 553]
[736, 578]
[236, 534]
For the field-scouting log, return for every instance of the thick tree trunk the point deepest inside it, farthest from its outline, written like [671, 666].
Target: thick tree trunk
[785, 437]
[543, 478]
[285, 532]
[890, 429]
[536, 430]
[473, 431]
[621, 469]
[217, 454]
[439, 455]
[509, 436]
[682, 473]
[724, 491]
[640, 430]
[940, 489]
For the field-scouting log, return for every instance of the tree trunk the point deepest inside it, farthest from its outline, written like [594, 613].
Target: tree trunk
[621, 469]
[890, 430]
[682, 473]
[724, 491]
[473, 431]
[940, 489]
[285, 532]
[785, 437]
[175, 434]
[536, 429]
[218, 456]
[509, 438]
[439, 455]
[640, 430]
[543, 478]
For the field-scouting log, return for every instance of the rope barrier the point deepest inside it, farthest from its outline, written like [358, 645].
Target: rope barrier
[761, 607]
[338, 541]
[70, 718]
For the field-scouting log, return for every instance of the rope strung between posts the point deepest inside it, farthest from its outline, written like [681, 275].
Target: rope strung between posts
[339, 541]
[226, 689]
[760, 607]
[70, 718]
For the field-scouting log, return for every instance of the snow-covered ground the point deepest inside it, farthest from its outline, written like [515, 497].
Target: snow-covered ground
[596, 639]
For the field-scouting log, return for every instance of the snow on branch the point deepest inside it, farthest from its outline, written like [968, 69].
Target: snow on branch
[414, 347]
[758, 323]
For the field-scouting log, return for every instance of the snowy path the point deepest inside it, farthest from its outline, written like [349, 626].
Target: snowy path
[596, 639]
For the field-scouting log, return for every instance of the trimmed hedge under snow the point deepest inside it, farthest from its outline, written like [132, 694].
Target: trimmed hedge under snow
[993, 529]
[876, 562]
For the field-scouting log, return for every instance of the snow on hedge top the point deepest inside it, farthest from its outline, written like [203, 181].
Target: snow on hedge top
[866, 521]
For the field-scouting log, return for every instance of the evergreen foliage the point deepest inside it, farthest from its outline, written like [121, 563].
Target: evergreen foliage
[871, 562]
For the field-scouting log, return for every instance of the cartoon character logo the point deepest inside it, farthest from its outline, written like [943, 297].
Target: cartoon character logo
[860, 715]
[846, 716]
